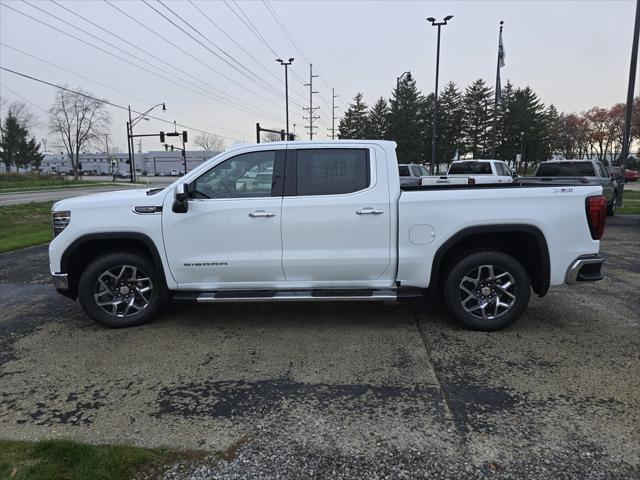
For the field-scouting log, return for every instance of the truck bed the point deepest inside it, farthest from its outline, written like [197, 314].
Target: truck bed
[480, 186]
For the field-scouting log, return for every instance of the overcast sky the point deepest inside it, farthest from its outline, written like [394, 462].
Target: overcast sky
[574, 54]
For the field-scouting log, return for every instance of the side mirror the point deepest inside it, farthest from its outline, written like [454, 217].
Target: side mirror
[514, 174]
[181, 199]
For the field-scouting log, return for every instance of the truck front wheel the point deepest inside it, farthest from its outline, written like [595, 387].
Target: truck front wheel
[487, 290]
[121, 290]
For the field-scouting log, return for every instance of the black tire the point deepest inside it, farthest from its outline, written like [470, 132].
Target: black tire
[462, 271]
[611, 209]
[146, 274]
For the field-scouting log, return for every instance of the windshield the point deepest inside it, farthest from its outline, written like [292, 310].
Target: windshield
[470, 168]
[565, 169]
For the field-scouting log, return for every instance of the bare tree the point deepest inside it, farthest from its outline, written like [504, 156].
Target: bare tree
[271, 137]
[210, 143]
[79, 120]
[20, 111]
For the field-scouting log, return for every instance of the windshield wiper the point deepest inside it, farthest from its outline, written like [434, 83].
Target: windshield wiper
[153, 191]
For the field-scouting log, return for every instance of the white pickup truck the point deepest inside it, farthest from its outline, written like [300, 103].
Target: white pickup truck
[471, 172]
[330, 223]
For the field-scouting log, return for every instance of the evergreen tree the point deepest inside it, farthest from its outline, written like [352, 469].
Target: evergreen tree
[523, 127]
[13, 140]
[478, 117]
[552, 132]
[407, 121]
[450, 117]
[355, 123]
[378, 120]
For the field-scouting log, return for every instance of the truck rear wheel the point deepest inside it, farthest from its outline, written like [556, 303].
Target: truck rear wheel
[121, 290]
[487, 290]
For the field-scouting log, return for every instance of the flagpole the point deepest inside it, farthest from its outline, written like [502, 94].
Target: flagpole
[497, 96]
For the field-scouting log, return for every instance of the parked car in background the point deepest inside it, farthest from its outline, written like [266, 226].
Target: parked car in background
[175, 172]
[631, 175]
[411, 173]
[470, 172]
[577, 172]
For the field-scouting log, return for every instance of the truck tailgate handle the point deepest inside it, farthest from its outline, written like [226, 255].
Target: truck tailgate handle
[261, 213]
[369, 211]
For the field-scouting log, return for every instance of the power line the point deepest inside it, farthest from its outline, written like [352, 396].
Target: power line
[205, 94]
[204, 14]
[279, 21]
[161, 60]
[114, 89]
[133, 19]
[249, 24]
[251, 76]
[289, 35]
[107, 102]
[23, 98]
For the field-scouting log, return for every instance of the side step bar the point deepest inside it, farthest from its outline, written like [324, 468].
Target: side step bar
[327, 295]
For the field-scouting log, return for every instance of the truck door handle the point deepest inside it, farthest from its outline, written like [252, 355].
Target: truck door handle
[369, 211]
[261, 213]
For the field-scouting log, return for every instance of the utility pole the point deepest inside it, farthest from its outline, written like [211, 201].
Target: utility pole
[333, 114]
[130, 147]
[629, 108]
[106, 142]
[435, 103]
[311, 109]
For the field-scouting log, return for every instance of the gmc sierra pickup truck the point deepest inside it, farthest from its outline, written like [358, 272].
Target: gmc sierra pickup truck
[324, 221]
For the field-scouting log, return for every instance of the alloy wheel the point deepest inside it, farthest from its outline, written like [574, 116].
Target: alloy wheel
[123, 290]
[487, 292]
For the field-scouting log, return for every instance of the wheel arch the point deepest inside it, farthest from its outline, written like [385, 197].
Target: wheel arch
[525, 242]
[87, 247]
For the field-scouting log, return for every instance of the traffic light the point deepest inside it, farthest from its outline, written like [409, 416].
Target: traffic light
[184, 136]
[161, 137]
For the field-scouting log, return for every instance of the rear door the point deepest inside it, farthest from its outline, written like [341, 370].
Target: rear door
[503, 172]
[336, 227]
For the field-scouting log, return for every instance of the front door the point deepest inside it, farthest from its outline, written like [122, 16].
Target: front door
[230, 235]
[336, 218]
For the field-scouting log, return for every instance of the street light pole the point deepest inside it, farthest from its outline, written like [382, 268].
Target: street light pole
[130, 136]
[286, 88]
[435, 104]
[629, 107]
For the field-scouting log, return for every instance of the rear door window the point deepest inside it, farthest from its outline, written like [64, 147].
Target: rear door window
[403, 170]
[331, 171]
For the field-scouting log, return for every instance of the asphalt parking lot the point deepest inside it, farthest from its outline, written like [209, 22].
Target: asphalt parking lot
[338, 390]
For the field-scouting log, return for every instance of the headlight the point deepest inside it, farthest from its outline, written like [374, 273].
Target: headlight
[60, 221]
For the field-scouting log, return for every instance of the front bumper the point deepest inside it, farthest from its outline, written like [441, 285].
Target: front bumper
[60, 281]
[587, 268]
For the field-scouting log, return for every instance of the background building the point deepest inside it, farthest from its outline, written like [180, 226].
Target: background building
[156, 163]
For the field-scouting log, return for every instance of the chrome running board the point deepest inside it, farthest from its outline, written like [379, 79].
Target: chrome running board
[297, 295]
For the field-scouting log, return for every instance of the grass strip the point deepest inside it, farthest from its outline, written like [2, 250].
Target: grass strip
[25, 225]
[631, 203]
[68, 460]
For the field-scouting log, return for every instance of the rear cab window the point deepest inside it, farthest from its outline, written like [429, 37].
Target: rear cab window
[328, 171]
[566, 169]
[470, 168]
[403, 170]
